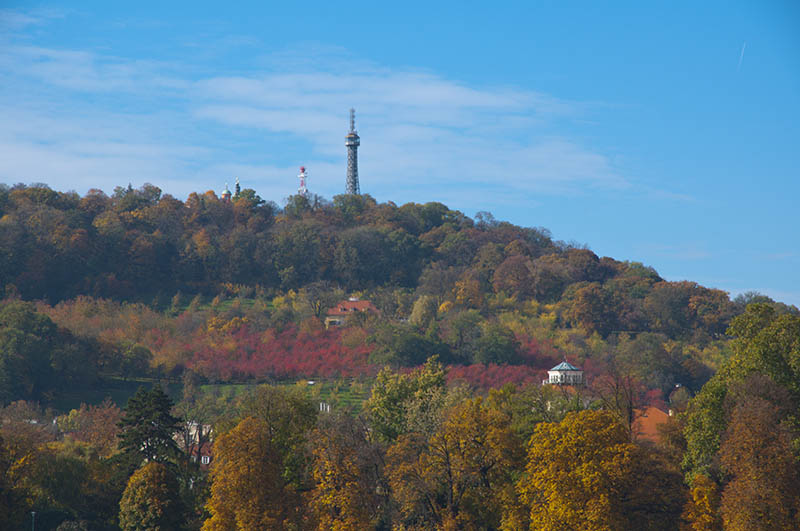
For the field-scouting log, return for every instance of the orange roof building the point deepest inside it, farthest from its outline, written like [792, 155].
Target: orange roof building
[646, 422]
[341, 311]
[202, 454]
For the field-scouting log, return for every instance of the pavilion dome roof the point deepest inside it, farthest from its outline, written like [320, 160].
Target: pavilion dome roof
[565, 366]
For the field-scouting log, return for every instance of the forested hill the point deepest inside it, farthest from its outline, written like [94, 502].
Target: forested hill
[141, 245]
[121, 271]
[374, 423]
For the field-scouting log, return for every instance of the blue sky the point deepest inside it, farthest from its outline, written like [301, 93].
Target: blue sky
[661, 132]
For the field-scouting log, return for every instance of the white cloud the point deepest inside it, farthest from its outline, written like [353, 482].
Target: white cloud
[84, 71]
[64, 126]
[13, 20]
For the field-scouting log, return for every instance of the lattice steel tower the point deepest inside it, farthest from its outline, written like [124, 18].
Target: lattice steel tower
[352, 141]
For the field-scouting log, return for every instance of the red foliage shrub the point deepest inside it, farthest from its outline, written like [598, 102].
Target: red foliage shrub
[493, 376]
[538, 353]
[281, 355]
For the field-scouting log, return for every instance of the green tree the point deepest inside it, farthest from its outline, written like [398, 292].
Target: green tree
[497, 344]
[148, 427]
[289, 415]
[423, 312]
[531, 404]
[66, 479]
[765, 343]
[462, 331]
[37, 359]
[393, 393]
[400, 345]
[297, 256]
[25, 341]
[351, 206]
[151, 501]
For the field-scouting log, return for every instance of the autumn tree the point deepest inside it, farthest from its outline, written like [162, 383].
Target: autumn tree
[289, 415]
[151, 500]
[459, 477]
[756, 450]
[584, 473]
[95, 425]
[248, 490]
[469, 290]
[12, 495]
[593, 308]
[515, 276]
[701, 512]
[350, 491]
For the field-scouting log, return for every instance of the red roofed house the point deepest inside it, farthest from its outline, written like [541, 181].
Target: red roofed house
[338, 315]
[646, 422]
[202, 454]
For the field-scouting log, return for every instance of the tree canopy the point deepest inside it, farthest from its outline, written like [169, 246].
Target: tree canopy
[148, 427]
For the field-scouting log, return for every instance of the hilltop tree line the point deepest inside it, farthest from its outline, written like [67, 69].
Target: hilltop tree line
[142, 284]
[140, 245]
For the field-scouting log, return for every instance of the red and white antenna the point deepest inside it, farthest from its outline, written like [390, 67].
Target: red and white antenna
[303, 176]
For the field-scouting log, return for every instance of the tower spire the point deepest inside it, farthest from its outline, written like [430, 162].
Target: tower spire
[352, 141]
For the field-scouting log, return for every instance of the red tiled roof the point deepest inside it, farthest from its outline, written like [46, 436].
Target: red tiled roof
[205, 449]
[348, 307]
[646, 423]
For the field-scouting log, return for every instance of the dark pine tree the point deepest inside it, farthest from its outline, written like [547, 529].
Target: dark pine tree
[147, 428]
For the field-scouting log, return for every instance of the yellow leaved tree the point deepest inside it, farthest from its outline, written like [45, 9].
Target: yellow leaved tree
[702, 509]
[584, 473]
[460, 476]
[246, 491]
[350, 492]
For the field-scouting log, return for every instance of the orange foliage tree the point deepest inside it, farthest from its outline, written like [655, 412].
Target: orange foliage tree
[247, 491]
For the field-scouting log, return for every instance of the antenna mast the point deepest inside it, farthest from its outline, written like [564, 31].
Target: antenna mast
[303, 176]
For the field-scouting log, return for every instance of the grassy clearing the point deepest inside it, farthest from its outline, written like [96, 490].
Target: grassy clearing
[118, 389]
[342, 393]
[339, 393]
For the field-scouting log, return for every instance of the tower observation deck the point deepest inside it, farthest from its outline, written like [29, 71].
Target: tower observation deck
[352, 141]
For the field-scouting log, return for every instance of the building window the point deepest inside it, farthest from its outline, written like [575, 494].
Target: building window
[205, 459]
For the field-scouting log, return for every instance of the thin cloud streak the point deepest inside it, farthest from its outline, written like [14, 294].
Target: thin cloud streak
[741, 56]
